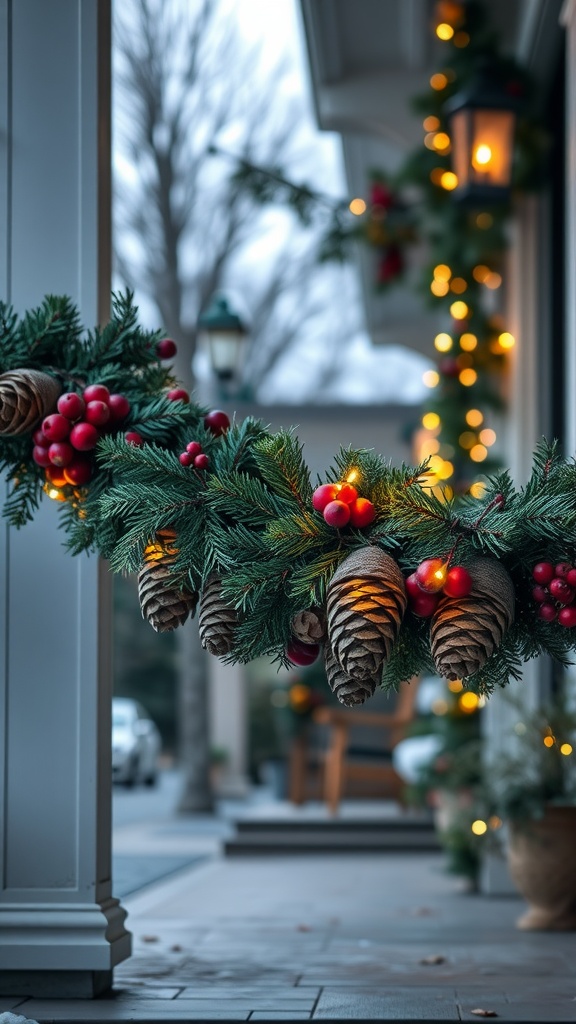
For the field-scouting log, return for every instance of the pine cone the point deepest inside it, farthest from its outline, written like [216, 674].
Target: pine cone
[216, 619]
[164, 605]
[26, 397]
[465, 631]
[365, 604]
[309, 626]
[350, 692]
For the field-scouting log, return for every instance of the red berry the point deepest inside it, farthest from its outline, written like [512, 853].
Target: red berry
[543, 572]
[61, 453]
[71, 405]
[571, 577]
[302, 654]
[201, 461]
[119, 407]
[347, 494]
[186, 459]
[424, 605]
[413, 588]
[337, 514]
[56, 476]
[540, 594]
[562, 569]
[561, 591]
[166, 348]
[547, 612]
[362, 512]
[133, 437]
[458, 582]
[55, 427]
[40, 455]
[178, 395]
[567, 616]
[40, 439]
[84, 437]
[217, 422]
[194, 448]
[97, 413]
[431, 574]
[96, 393]
[323, 495]
[78, 472]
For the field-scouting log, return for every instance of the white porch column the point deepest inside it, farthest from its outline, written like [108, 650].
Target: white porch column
[61, 931]
[229, 726]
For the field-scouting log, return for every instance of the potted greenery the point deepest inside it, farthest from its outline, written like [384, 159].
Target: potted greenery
[533, 789]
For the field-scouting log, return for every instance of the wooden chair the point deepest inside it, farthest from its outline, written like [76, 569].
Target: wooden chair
[326, 773]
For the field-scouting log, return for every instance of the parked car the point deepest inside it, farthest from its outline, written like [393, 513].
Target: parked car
[135, 743]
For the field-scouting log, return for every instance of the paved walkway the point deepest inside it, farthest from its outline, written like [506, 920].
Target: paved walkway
[325, 937]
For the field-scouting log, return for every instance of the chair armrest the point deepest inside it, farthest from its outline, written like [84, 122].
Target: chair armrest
[341, 717]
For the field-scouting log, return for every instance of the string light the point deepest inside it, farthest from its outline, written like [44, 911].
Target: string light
[459, 310]
[54, 492]
[506, 340]
[436, 175]
[439, 288]
[494, 822]
[468, 377]
[429, 140]
[468, 342]
[549, 741]
[468, 702]
[566, 749]
[444, 31]
[431, 378]
[480, 273]
[442, 272]
[439, 81]
[458, 285]
[430, 420]
[431, 123]
[429, 447]
[493, 281]
[478, 489]
[357, 207]
[479, 827]
[441, 142]
[474, 417]
[455, 685]
[443, 342]
[449, 180]
[487, 437]
[478, 453]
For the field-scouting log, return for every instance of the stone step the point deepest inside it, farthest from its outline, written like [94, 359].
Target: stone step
[330, 835]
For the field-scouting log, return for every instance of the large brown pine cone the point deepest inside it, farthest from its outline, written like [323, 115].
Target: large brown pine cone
[26, 397]
[365, 604]
[465, 631]
[217, 619]
[350, 692]
[164, 605]
[309, 626]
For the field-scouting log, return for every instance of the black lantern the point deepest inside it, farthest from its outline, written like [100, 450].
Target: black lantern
[482, 129]
[226, 335]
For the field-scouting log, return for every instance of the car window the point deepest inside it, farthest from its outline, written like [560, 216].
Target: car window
[120, 718]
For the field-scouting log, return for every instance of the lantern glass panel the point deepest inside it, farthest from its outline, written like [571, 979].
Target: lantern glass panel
[226, 348]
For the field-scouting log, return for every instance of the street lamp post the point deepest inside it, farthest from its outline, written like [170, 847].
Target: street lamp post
[226, 336]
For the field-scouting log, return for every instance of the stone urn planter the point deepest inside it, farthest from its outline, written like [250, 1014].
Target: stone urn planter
[543, 868]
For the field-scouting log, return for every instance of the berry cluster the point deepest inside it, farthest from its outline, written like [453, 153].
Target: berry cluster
[555, 592]
[62, 443]
[194, 456]
[340, 505]
[433, 577]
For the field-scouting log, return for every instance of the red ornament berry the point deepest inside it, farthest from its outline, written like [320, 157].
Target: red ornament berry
[217, 422]
[562, 569]
[56, 476]
[119, 407]
[201, 461]
[40, 439]
[166, 348]
[337, 514]
[571, 578]
[41, 456]
[362, 512]
[543, 572]
[78, 472]
[413, 588]
[61, 453]
[567, 616]
[96, 393]
[97, 413]
[323, 495]
[458, 582]
[561, 591]
[186, 459]
[547, 611]
[194, 448]
[431, 574]
[347, 494]
[71, 405]
[133, 437]
[424, 605]
[540, 594]
[55, 427]
[84, 437]
[302, 654]
[178, 395]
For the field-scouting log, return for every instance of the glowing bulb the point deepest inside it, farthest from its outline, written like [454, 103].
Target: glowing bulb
[479, 827]
[429, 140]
[506, 340]
[431, 378]
[482, 156]
[442, 272]
[430, 420]
[459, 310]
[444, 31]
[467, 439]
[478, 453]
[441, 142]
[449, 180]
[54, 492]
[467, 377]
[458, 285]
[478, 489]
[548, 741]
[357, 207]
[352, 476]
[487, 437]
[443, 342]
[481, 272]
[439, 81]
[439, 707]
[474, 417]
[455, 685]
[468, 342]
[566, 749]
[431, 124]
[468, 701]
[439, 288]
[494, 822]
[493, 280]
